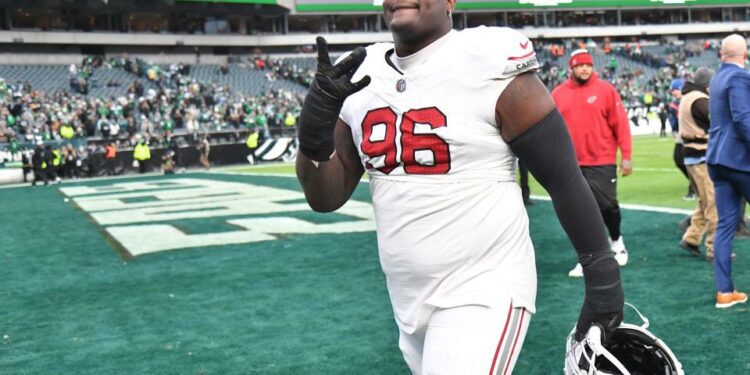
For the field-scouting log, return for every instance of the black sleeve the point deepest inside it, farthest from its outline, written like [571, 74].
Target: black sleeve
[547, 151]
[699, 111]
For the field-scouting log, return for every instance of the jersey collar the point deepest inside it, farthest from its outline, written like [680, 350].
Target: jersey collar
[415, 60]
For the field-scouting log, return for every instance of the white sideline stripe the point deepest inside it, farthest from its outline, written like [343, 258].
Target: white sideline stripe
[638, 169]
[636, 207]
[86, 179]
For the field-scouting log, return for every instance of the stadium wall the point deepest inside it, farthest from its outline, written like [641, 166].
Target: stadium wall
[178, 40]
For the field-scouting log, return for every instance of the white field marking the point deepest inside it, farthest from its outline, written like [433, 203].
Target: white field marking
[248, 173]
[101, 178]
[234, 169]
[188, 198]
[635, 207]
[131, 187]
[147, 239]
[152, 238]
[646, 169]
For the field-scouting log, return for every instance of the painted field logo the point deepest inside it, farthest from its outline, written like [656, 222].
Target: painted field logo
[134, 213]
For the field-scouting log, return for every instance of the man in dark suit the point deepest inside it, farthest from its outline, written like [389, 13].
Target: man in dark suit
[728, 157]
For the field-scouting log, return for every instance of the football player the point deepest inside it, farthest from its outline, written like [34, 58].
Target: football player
[437, 119]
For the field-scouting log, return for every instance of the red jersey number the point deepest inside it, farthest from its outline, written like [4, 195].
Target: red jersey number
[411, 142]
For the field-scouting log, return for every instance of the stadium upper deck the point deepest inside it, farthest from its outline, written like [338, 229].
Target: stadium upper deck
[264, 23]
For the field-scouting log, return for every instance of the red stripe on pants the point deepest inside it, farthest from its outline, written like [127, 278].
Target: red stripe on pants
[502, 337]
[515, 341]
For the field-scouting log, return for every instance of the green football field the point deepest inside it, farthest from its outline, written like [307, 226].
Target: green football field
[655, 180]
[229, 273]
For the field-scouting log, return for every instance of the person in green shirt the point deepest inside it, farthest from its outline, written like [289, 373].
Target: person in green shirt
[261, 120]
[613, 65]
[14, 146]
[250, 121]
[103, 110]
[167, 124]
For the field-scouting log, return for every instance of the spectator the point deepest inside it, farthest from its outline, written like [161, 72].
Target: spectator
[167, 162]
[678, 156]
[110, 157]
[693, 130]
[663, 120]
[71, 163]
[53, 157]
[142, 154]
[598, 127]
[728, 158]
[26, 165]
[174, 147]
[39, 165]
[252, 145]
[204, 147]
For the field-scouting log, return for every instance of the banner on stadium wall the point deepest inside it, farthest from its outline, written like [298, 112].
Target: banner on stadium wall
[367, 5]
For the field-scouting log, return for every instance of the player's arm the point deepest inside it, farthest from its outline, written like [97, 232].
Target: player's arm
[329, 184]
[536, 132]
[327, 165]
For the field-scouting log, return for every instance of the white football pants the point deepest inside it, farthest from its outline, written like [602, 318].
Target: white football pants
[467, 340]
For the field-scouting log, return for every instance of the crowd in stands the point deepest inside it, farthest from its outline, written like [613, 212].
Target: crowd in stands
[173, 102]
[291, 71]
[163, 100]
[80, 75]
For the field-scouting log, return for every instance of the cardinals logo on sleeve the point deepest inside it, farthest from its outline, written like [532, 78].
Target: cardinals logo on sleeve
[521, 58]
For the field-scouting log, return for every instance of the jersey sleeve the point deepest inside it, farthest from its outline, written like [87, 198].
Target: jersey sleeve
[519, 57]
[507, 52]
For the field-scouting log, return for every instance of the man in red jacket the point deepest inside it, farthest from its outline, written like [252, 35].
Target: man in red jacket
[598, 125]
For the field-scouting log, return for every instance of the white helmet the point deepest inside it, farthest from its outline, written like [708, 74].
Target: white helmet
[630, 350]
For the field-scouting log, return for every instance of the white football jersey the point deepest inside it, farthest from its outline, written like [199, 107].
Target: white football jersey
[452, 229]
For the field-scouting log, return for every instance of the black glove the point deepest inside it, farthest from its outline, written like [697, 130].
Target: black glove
[604, 298]
[328, 90]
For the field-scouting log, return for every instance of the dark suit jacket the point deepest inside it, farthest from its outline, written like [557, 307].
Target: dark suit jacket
[729, 135]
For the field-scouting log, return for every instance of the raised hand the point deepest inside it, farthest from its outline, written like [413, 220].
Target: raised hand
[330, 87]
[334, 81]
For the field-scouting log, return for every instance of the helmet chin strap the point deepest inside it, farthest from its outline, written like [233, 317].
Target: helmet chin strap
[643, 318]
[594, 339]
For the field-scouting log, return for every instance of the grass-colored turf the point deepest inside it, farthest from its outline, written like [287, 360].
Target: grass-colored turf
[69, 304]
[656, 181]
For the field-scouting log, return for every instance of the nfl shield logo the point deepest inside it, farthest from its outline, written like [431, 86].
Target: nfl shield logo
[401, 85]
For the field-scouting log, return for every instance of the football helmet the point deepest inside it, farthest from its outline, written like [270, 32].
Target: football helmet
[630, 350]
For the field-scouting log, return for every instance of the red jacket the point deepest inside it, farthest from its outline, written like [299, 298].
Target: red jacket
[596, 120]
